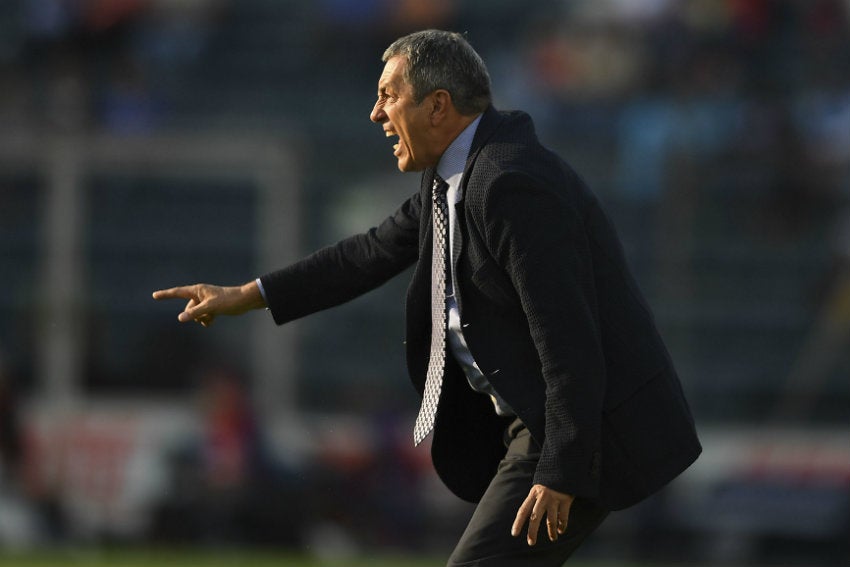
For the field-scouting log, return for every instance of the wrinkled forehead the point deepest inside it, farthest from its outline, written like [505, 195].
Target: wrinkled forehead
[392, 76]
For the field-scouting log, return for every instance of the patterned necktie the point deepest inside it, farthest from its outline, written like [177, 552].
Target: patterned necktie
[437, 361]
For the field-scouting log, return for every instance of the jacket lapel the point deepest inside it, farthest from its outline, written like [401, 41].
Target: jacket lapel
[490, 121]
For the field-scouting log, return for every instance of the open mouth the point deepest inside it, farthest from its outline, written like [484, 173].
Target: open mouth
[390, 134]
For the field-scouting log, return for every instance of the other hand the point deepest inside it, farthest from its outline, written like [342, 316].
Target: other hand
[542, 501]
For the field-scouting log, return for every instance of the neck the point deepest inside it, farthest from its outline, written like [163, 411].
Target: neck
[455, 127]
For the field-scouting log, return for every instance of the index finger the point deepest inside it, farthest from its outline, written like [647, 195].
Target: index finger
[181, 292]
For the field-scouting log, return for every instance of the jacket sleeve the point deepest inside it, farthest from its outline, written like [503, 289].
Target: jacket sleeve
[537, 234]
[351, 267]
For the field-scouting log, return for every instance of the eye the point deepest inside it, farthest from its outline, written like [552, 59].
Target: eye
[385, 97]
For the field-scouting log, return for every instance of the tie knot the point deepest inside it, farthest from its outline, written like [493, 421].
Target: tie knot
[440, 185]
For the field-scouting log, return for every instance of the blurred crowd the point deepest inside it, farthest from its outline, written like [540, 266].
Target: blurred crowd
[114, 64]
[758, 84]
[663, 91]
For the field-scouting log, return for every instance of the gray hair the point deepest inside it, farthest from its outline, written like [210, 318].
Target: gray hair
[444, 60]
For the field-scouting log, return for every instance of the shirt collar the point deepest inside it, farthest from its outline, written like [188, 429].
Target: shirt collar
[453, 160]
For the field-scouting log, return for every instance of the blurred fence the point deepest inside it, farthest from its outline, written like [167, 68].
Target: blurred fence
[107, 220]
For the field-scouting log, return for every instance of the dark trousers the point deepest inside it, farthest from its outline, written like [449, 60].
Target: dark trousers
[487, 540]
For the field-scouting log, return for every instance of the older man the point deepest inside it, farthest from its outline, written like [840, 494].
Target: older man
[549, 391]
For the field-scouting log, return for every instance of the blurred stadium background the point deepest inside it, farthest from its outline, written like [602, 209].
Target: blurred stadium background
[151, 143]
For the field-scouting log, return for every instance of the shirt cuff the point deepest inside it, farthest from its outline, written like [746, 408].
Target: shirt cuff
[262, 291]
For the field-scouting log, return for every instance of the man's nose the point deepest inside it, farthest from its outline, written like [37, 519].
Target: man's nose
[378, 115]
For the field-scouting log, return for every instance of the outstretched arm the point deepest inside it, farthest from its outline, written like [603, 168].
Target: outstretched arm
[206, 302]
[328, 277]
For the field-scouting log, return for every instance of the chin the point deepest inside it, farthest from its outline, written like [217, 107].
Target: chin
[405, 167]
[408, 166]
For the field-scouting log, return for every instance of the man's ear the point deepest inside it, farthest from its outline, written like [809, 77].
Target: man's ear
[441, 105]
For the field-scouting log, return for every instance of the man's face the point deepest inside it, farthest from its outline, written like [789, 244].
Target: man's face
[400, 116]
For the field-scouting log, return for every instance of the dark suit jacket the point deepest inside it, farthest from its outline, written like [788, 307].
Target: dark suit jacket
[550, 311]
